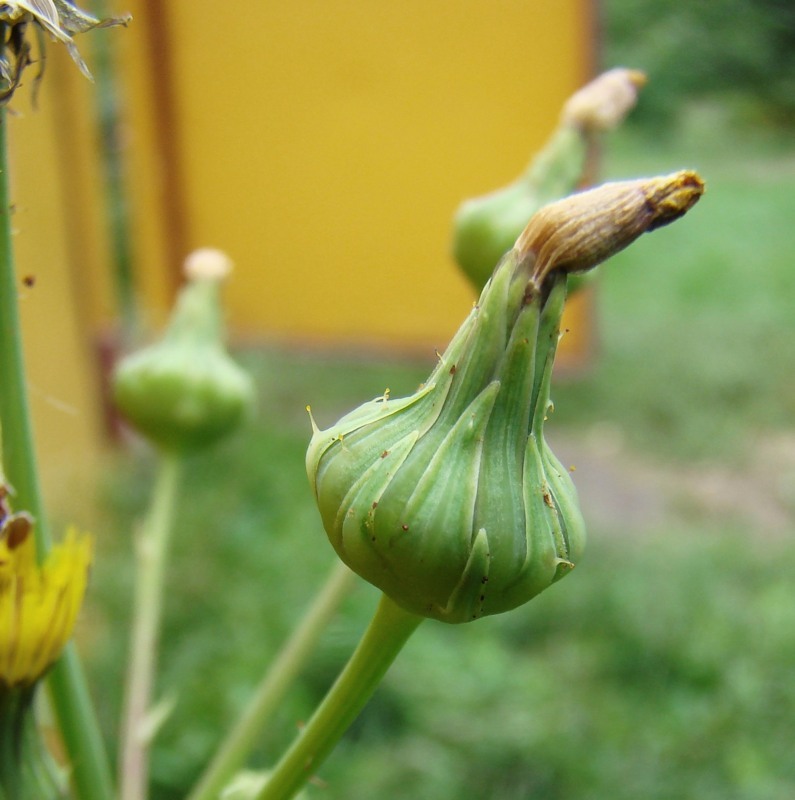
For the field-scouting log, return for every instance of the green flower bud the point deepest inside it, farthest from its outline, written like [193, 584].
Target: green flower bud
[185, 392]
[485, 228]
[450, 500]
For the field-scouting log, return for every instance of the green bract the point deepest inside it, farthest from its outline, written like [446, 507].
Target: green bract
[450, 500]
[185, 392]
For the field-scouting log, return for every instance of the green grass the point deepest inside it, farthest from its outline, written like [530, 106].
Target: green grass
[696, 322]
[661, 668]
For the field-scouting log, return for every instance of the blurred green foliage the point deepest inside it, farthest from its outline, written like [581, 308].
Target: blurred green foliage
[696, 330]
[738, 50]
[662, 668]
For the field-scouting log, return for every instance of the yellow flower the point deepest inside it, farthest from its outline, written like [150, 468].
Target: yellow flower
[38, 604]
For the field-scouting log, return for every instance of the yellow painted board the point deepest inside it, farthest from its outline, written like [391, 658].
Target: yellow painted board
[53, 298]
[326, 145]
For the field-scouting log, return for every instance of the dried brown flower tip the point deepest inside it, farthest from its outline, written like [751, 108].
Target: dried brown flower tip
[582, 230]
[604, 102]
[207, 263]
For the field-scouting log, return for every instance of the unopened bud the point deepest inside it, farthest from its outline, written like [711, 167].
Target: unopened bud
[185, 391]
[486, 227]
[450, 500]
[603, 103]
[579, 232]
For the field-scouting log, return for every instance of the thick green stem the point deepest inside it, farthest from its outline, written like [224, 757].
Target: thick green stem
[282, 672]
[152, 551]
[388, 631]
[76, 717]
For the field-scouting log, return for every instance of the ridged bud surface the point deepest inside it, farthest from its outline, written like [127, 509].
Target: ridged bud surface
[450, 500]
[185, 391]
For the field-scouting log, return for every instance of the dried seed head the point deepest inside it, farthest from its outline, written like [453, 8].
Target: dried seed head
[60, 19]
[579, 232]
[604, 102]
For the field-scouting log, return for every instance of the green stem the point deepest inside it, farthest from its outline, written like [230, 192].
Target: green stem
[239, 742]
[116, 206]
[18, 451]
[152, 551]
[388, 631]
[15, 707]
[88, 760]
[76, 717]
[559, 167]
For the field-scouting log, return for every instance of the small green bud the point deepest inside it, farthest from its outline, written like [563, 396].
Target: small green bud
[185, 392]
[450, 500]
[486, 227]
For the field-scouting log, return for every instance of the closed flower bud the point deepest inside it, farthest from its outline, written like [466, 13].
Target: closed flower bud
[486, 227]
[605, 101]
[450, 500]
[581, 231]
[185, 392]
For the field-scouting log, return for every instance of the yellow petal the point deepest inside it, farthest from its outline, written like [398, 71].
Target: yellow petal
[39, 605]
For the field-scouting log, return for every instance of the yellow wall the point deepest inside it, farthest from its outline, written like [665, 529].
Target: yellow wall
[324, 145]
[52, 297]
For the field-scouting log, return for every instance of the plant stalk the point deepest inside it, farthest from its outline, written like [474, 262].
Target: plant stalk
[116, 201]
[152, 553]
[77, 721]
[282, 672]
[388, 631]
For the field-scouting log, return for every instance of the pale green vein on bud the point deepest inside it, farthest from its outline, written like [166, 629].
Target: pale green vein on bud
[450, 501]
[443, 494]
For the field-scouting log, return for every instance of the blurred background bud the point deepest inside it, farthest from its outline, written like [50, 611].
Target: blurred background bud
[185, 391]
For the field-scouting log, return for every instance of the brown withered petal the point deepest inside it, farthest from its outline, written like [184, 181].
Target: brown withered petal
[604, 102]
[579, 232]
[60, 19]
